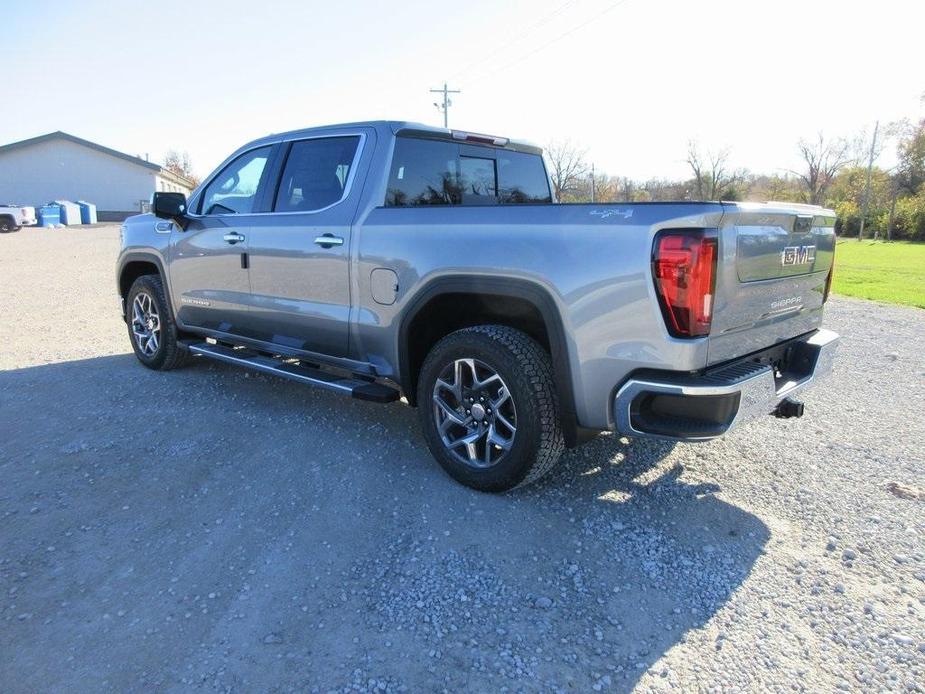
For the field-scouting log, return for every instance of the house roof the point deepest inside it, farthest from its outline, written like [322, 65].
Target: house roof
[175, 177]
[60, 135]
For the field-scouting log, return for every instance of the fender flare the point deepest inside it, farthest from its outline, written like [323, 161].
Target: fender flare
[139, 256]
[523, 289]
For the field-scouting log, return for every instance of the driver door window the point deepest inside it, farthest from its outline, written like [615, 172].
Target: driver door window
[234, 190]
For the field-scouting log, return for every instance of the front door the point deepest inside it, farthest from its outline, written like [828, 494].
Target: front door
[299, 253]
[208, 262]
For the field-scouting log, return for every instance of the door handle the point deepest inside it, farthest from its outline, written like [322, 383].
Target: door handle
[233, 237]
[329, 240]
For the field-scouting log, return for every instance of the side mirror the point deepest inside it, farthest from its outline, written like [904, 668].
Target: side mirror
[170, 206]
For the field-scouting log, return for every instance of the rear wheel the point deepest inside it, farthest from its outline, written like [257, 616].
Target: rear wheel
[151, 327]
[489, 408]
[7, 224]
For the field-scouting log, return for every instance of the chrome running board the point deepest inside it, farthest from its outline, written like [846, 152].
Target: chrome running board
[294, 370]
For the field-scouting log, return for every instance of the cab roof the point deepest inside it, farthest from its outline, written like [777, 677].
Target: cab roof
[395, 127]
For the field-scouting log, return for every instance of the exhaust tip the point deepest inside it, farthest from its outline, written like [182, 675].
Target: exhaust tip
[788, 408]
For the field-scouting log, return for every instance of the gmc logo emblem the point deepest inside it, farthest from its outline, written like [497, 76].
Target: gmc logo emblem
[798, 255]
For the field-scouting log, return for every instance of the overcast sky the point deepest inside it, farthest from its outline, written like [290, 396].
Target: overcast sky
[631, 81]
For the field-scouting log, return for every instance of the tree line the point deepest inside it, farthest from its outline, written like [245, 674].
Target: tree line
[833, 173]
[179, 163]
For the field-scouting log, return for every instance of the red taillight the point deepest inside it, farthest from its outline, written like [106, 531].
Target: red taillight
[684, 268]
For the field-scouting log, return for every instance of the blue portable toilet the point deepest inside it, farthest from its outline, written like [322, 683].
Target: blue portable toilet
[48, 215]
[70, 213]
[87, 212]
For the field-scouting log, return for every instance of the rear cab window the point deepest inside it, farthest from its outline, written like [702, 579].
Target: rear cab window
[437, 172]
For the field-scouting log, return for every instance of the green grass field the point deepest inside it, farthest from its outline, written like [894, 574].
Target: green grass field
[892, 272]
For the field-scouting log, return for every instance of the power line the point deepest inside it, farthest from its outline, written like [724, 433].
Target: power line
[519, 37]
[446, 102]
[571, 31]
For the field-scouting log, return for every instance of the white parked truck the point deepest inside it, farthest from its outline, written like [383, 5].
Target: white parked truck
[14, 217]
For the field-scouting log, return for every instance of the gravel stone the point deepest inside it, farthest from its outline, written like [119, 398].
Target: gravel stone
[346, 561]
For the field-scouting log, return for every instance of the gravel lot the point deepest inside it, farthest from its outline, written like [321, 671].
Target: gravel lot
[212, 529]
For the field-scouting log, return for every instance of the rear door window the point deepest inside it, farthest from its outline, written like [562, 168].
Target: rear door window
[316, 174]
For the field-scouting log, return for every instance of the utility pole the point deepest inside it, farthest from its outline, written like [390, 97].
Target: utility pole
[445, 107]
[592, 181]
[889, 226]
[870, 166]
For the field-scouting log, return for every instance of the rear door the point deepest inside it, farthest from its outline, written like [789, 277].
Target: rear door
[771, 276]
[208, 270]
[300, 250]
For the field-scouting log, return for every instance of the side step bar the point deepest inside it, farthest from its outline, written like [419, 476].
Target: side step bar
[354, 387]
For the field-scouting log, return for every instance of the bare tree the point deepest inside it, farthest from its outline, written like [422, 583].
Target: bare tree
[695, 161]
[662, 189]
[607, 188]
[627, 186]
[179, 163]
[568, 167]
[823, 159]
[712, 176]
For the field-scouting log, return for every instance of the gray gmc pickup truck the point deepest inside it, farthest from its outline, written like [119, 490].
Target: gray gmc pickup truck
[385, 260]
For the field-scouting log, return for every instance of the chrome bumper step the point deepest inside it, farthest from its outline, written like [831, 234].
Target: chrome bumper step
[699, 407]
[293, 370]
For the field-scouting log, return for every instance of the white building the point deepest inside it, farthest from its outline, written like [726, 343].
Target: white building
[58, 166]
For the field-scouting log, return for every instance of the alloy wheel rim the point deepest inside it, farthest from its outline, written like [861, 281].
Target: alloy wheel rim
[146, 324]
[474, 413]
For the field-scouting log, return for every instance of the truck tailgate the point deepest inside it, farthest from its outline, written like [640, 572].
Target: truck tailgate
[774, 261]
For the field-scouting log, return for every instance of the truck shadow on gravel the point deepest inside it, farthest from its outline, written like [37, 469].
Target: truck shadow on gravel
[211, 529]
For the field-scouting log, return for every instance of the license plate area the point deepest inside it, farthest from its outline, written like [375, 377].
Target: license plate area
[792, 363]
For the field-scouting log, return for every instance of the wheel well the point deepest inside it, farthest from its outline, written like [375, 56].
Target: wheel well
[452, 303]
[132, 271]
[446, 313]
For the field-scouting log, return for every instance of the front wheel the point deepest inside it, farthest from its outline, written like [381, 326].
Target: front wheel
[489, 408]
[151, 327]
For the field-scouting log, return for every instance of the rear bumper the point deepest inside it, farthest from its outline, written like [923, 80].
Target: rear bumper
[699, 407]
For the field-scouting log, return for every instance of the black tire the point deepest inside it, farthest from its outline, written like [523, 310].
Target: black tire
[7, 224]
[169, 353]
[526, 372]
